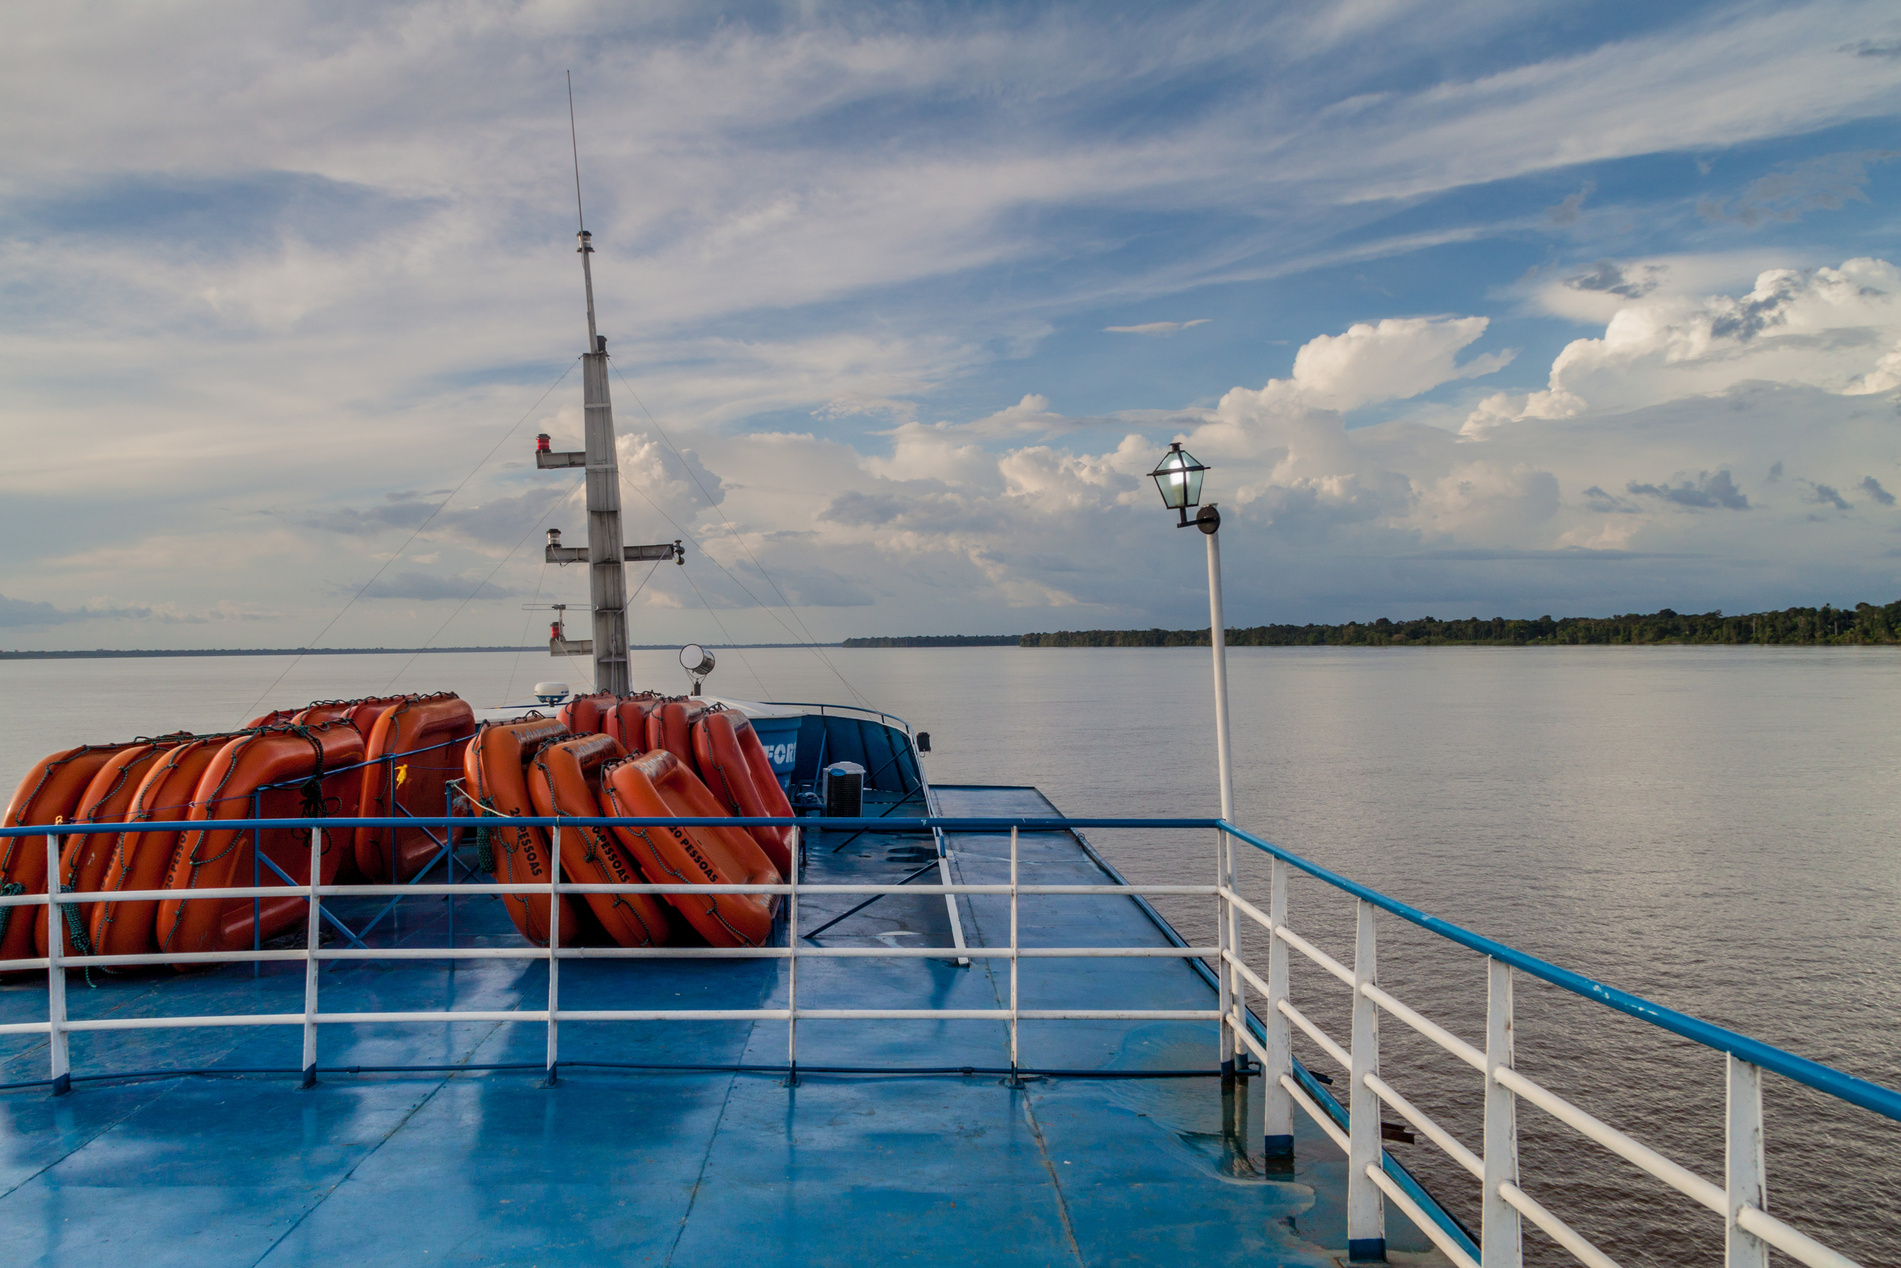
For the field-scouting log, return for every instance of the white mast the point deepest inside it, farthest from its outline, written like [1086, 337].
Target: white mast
[604, 552]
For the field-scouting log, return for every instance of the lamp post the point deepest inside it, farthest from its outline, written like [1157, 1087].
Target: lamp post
[1178, 475]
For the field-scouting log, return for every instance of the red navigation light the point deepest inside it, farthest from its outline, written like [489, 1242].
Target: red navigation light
[541, 443]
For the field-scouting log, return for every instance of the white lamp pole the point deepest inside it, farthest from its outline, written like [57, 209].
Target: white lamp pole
[1178, 476]
[1218, 636]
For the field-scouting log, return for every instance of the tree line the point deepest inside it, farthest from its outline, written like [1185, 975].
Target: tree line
[1826, 625]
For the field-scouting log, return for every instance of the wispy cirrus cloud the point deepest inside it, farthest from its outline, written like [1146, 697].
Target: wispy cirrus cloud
[1156, 327]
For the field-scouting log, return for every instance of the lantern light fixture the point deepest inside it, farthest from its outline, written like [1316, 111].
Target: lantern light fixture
[1178, 476]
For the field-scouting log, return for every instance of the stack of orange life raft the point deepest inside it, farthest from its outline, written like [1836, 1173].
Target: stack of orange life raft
[642, 756]
[388, 756]
[393, 757]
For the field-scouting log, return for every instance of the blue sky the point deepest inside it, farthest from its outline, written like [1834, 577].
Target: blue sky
[1474, 309]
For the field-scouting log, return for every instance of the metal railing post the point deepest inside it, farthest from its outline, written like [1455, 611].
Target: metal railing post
[792, 980]
[1277, 1122]
[1366, 1210]
[61, 1072]
[1224, 972]
[1239, 986]
[312, 937]
[257, 900]
[554, 944]
[1744, 1169]
[1015, 1079]
[1501, 1242]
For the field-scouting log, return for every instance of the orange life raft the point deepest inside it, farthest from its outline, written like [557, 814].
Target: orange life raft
[583, 714]
[49, 794]
[627, 721]
[734, 765]
[495, 764]
[141, 859]
[212, 857]
[419, 786]
[361, 714]
[84, 858]
[656, 785]
[670, 726]
[562, 779]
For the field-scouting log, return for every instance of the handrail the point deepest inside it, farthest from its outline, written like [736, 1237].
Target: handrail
[1368, 1165]
[1846, 1087]
[887, 718]
[963, 823]
[373, 761]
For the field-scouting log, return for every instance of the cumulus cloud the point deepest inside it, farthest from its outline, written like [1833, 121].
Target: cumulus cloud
[1827, 495]
[1633, 281]
[1817, 326]
[1391, 359]
[1706, 492]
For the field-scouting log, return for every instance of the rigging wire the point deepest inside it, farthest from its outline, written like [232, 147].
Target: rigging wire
[810, 641]
[520, 645]
[552, 507]
[763, 607]
[414, 534]
[763, 693]
[637, 589]
[574, 142]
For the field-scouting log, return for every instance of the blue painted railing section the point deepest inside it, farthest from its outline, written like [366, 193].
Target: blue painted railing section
[1871, 1096]
[1860, 1092]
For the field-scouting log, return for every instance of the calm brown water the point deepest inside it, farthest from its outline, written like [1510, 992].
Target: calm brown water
[1713, 828]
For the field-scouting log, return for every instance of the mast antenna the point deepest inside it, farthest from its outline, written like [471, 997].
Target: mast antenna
[586, 249]
[605, 554]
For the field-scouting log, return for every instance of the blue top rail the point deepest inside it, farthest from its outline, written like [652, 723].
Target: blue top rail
[1846, 1087]
[880, 714]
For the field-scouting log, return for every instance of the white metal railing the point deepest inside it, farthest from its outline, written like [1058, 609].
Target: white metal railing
[1740, 1202]
[1267, 1034]
[58, 1025]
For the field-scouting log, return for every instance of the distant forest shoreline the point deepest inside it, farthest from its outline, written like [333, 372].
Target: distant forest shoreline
[1864, 624]
[136, 653]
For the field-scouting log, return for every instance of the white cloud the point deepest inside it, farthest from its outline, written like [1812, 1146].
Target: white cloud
[1156, 327]
[1825, 327]
[366, 276]
[1392, 359]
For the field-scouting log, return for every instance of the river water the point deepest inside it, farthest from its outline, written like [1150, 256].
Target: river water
[1712, 828]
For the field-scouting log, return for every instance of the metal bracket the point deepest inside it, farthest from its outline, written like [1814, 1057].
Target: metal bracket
[572, 458]
[631, 554]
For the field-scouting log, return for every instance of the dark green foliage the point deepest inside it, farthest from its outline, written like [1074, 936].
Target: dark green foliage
[943, 640]
[1865, 623]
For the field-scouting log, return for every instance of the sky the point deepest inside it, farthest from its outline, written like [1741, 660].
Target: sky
[1471, 309]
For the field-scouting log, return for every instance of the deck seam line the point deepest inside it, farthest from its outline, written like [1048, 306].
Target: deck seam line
[1029, 1111]
[712, 1137]
[1056, 1181]
[368, 1154]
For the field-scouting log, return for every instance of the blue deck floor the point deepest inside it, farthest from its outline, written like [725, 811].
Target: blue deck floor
[636, 1167]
